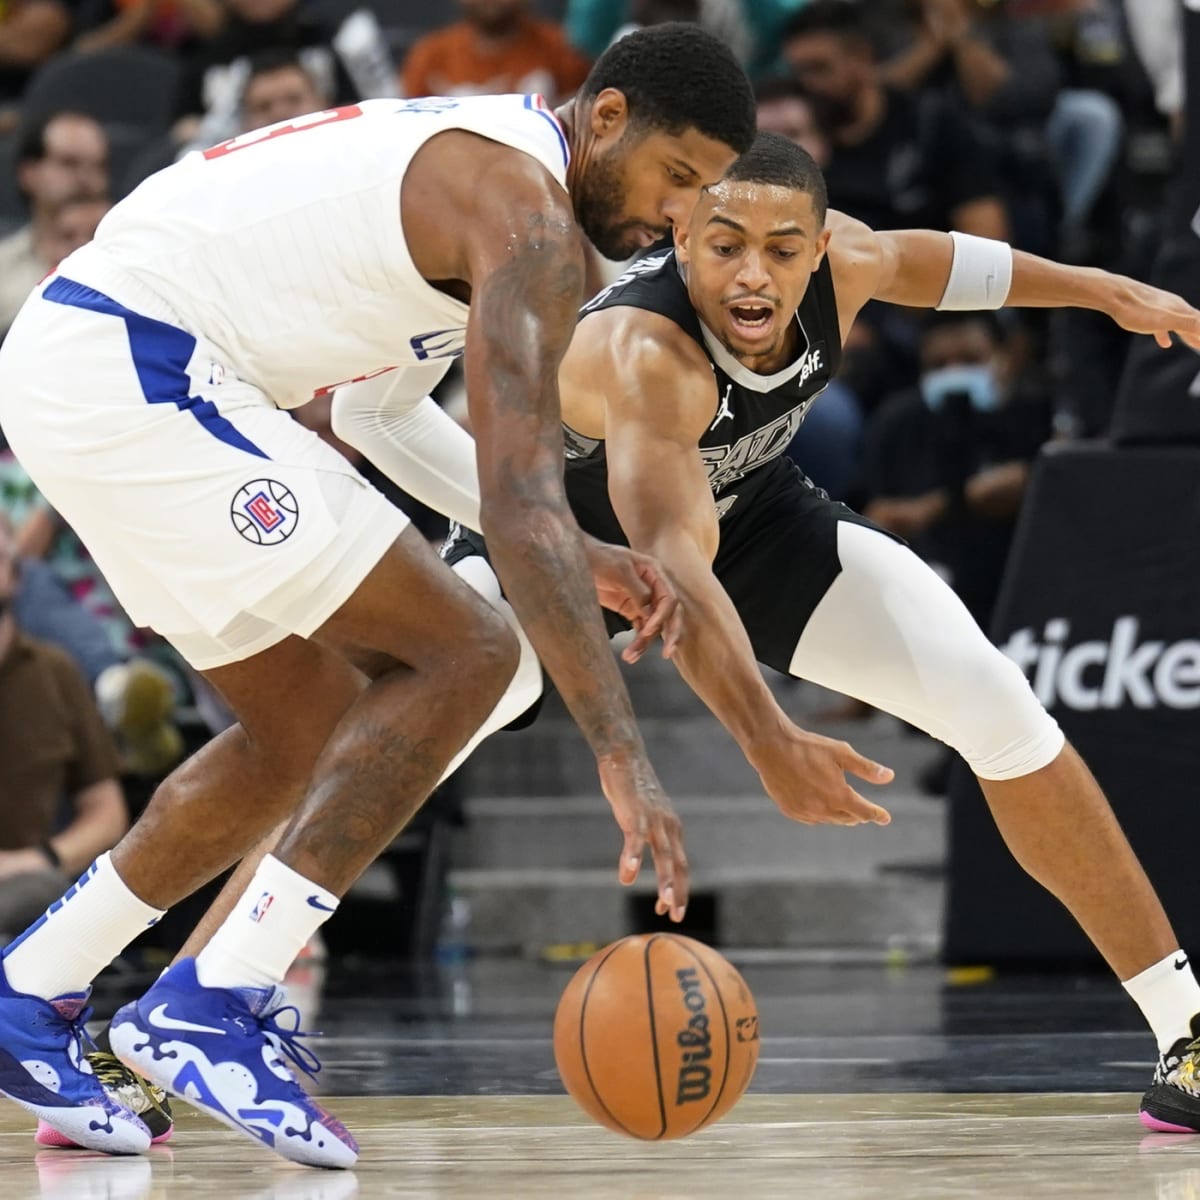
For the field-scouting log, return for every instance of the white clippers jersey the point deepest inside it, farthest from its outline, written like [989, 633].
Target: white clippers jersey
[284, 247]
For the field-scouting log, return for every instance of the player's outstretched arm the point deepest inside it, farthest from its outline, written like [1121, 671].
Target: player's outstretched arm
[525, 263]
[659, 399]
[924, 269]
[393, 421]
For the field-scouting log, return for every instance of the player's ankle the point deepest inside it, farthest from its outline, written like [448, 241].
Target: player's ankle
[276, 915]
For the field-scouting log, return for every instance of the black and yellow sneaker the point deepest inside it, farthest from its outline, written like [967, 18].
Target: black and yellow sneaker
[1172, 1104]
[129, 1090]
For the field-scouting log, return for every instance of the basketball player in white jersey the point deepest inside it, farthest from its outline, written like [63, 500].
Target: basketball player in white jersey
[143, 386]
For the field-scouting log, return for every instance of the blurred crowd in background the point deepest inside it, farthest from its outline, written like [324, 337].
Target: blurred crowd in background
[1053, 124]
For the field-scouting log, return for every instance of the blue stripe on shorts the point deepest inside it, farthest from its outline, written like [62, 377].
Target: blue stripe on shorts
[161, 353]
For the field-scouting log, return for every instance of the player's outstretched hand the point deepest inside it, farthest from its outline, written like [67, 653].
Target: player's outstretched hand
[1141, 308]
[635, 586]
[646, 818]
[805, 774]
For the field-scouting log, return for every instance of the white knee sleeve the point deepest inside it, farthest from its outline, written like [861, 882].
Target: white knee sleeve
[889, 631]
[526, 684]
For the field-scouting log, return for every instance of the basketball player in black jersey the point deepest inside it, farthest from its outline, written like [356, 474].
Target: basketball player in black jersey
[682, 387]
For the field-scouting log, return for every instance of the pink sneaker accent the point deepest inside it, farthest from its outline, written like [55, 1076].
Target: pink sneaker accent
[69, 1007]
[1162, 1126]
[47, 1135]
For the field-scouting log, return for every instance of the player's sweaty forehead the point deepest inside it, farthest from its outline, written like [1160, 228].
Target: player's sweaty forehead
[757, 210]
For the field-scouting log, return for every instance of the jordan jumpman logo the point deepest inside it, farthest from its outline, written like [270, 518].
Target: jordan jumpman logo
[724, 411]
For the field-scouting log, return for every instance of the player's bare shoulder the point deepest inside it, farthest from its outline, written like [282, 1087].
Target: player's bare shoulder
[856, 263]
[463, 189]
[630, 363]
[853, 249]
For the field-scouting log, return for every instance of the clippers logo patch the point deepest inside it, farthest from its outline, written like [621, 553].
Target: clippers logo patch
[265, 512]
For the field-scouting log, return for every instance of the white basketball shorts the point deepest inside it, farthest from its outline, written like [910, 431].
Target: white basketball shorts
[218, 520]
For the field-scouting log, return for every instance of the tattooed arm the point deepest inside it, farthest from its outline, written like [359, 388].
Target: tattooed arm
[524, 259]
[523, 312]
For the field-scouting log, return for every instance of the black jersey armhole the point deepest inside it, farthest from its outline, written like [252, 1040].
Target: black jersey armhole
[825, 296]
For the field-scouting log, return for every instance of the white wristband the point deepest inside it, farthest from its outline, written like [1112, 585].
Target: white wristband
[981, 275]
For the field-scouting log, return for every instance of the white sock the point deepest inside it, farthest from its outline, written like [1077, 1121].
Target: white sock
[1169, 996]
[79, 935]
[260, 939]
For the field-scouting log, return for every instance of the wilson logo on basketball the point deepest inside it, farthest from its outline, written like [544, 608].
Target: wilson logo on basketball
[695, 1076]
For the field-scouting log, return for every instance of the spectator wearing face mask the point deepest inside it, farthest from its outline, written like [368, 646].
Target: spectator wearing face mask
[946, 464]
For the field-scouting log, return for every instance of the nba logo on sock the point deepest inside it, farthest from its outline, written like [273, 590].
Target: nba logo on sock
[260, 908]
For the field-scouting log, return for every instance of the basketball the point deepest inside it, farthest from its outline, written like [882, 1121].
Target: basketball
[656, 1036]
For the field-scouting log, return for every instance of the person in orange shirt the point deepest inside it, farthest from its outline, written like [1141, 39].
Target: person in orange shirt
[498, 47]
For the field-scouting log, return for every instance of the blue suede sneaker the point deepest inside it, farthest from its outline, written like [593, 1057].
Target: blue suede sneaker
[44, 1068]
[223, 1051]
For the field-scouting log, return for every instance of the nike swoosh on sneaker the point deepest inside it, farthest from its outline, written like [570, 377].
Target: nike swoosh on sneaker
[159, 1018]
[315, 902]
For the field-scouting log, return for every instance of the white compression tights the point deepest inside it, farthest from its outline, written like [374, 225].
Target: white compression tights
[525, 686]
[404, 432]
[890, 632]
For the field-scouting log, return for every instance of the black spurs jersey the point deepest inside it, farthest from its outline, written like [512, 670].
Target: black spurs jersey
[757, 415]
[778, 551]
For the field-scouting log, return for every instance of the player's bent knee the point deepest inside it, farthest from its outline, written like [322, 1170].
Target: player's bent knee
[992, 717]
[274, 771]
[487, 658]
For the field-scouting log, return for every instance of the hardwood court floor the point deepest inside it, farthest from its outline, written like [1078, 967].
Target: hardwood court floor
[884, 1147]
[873, 1084]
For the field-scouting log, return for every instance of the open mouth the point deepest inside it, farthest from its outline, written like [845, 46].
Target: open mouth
[751, 317]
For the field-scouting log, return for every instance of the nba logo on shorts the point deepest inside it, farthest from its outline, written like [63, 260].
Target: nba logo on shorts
[259, 910]
[265, 512]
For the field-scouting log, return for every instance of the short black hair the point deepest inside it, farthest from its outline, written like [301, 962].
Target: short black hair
[274, 58]
[843, 18]
[31, 140]
[777, 161]
[677, 76]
